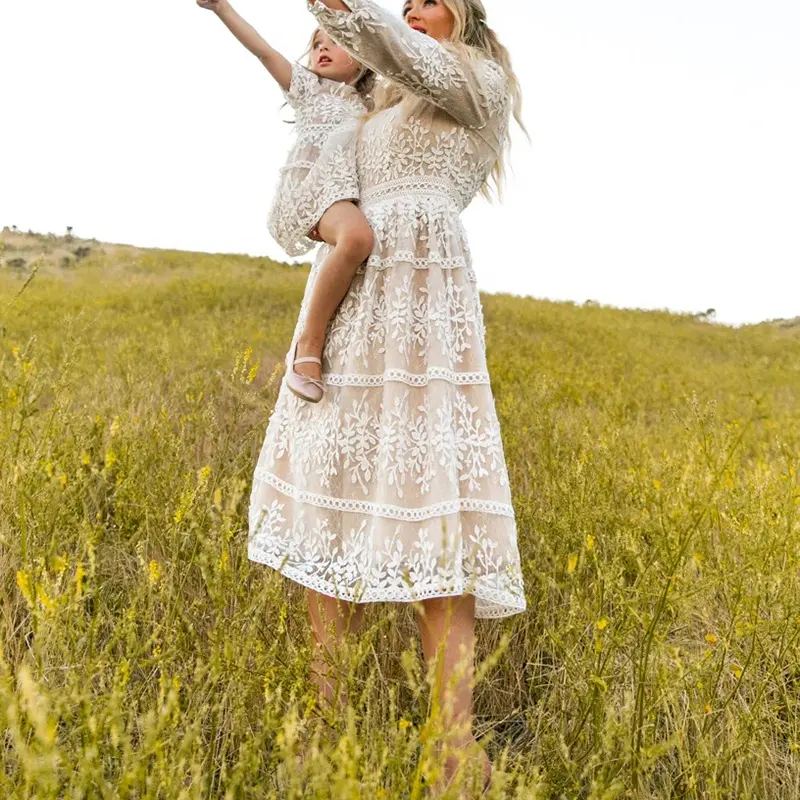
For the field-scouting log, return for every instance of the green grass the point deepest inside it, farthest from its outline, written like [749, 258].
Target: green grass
[653, 460]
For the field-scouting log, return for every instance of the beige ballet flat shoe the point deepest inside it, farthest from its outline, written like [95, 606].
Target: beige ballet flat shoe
[304, 386]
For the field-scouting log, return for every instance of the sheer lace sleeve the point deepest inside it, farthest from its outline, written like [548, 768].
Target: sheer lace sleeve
[303, 85]
[471, 91]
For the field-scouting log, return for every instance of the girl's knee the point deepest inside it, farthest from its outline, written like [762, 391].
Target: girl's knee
[358, 241]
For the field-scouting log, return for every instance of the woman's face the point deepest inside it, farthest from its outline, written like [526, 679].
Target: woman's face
[330, 61]
[430, 16]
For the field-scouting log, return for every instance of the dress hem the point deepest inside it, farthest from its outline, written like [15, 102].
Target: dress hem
[496, 605]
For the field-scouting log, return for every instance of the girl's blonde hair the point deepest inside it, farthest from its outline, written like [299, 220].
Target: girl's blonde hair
[364, 84]
[473, 38]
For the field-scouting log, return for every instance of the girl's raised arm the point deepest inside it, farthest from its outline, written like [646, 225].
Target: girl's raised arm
[470, 90]
[278, 66]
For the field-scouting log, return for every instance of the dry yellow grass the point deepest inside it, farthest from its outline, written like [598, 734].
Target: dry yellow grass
[653, 461]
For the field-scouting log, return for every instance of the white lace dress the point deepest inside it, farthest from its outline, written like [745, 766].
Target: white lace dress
[320, 168]
[394, 487]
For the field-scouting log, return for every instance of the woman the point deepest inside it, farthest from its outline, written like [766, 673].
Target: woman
[394, 487]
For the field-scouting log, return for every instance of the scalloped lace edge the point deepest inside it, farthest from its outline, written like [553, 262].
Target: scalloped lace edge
[490, 604]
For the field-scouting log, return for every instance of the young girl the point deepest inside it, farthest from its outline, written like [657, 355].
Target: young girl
[317, 191]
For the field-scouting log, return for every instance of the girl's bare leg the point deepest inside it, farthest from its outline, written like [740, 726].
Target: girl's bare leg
[330, 620]
[345, 228]
[450, 622]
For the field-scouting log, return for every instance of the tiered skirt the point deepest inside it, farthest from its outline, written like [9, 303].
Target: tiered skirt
[394, 487]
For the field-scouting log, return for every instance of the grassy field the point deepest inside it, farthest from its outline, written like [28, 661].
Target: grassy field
[653, 460]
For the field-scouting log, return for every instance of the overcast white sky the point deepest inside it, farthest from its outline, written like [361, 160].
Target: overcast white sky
[664, 168]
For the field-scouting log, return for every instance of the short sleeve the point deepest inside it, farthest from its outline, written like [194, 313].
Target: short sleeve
[303, 85]
[462, 86]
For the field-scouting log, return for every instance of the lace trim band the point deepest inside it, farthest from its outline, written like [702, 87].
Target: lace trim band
[386, 262]
[383, 509]
[411, 378]
[420, 262]
[412, 185]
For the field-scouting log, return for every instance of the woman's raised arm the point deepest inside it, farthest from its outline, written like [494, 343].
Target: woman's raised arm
[380, 40]
[278, 65]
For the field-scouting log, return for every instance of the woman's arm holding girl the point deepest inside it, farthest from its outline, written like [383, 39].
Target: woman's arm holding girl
[278, 66]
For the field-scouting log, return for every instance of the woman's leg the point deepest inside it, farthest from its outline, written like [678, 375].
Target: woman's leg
[330, 620]
[450, 622]
[345, 228]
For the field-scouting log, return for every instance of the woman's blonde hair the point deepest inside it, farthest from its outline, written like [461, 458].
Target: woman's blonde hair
[474, 38]
[364, 83]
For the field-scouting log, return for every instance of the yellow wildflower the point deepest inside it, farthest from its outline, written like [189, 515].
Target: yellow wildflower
[24, 583]
[572, 562]
[58, 564]
[202, 475]
[80, 574]
[153, 572]
[41, 594]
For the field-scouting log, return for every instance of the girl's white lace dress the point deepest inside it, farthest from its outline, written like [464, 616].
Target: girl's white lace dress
[394, 487]
[320, 168]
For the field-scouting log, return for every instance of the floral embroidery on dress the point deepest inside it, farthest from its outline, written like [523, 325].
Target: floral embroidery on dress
[395, 485]
[423, 65]
[320, 169]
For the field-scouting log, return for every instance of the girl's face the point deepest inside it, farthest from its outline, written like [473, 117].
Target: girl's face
[329, 60]
[430, 16]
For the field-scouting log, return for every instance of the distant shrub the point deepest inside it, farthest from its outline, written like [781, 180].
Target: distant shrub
[65, 261]
[81, 252]
[707, 315]
[17, 263]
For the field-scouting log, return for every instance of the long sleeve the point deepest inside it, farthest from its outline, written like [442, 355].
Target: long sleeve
[470, 90]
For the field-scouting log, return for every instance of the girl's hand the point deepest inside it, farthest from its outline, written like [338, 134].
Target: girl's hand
[314, 233]
[279, 67]
[213, 5]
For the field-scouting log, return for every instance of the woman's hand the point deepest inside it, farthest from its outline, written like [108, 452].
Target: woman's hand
[314, 234]
[213, 5]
